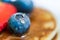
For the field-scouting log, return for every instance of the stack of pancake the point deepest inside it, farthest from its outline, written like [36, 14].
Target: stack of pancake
[43, 27]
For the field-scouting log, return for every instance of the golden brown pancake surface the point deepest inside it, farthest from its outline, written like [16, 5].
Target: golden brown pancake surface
[42, 24]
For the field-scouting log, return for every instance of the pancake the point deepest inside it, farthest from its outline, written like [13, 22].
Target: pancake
[43, 27]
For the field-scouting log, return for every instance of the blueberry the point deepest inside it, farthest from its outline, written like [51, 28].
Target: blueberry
[25, 6]
[19, 23]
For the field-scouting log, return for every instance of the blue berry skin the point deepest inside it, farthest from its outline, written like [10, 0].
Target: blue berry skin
[25, 6]
[19, 23]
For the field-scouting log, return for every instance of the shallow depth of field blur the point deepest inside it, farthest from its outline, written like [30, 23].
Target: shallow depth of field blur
[54, 7]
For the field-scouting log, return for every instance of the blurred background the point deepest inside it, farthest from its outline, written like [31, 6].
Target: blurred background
[54, 7]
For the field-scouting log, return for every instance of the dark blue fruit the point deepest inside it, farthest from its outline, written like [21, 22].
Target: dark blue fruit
[22, 5]
[19, 23]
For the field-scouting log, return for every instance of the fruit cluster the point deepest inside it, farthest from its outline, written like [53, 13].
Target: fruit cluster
[14, 14]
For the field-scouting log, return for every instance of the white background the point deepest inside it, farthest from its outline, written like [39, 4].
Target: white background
[53, 6]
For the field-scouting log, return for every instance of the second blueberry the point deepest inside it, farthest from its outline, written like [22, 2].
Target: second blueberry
[21, 5]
